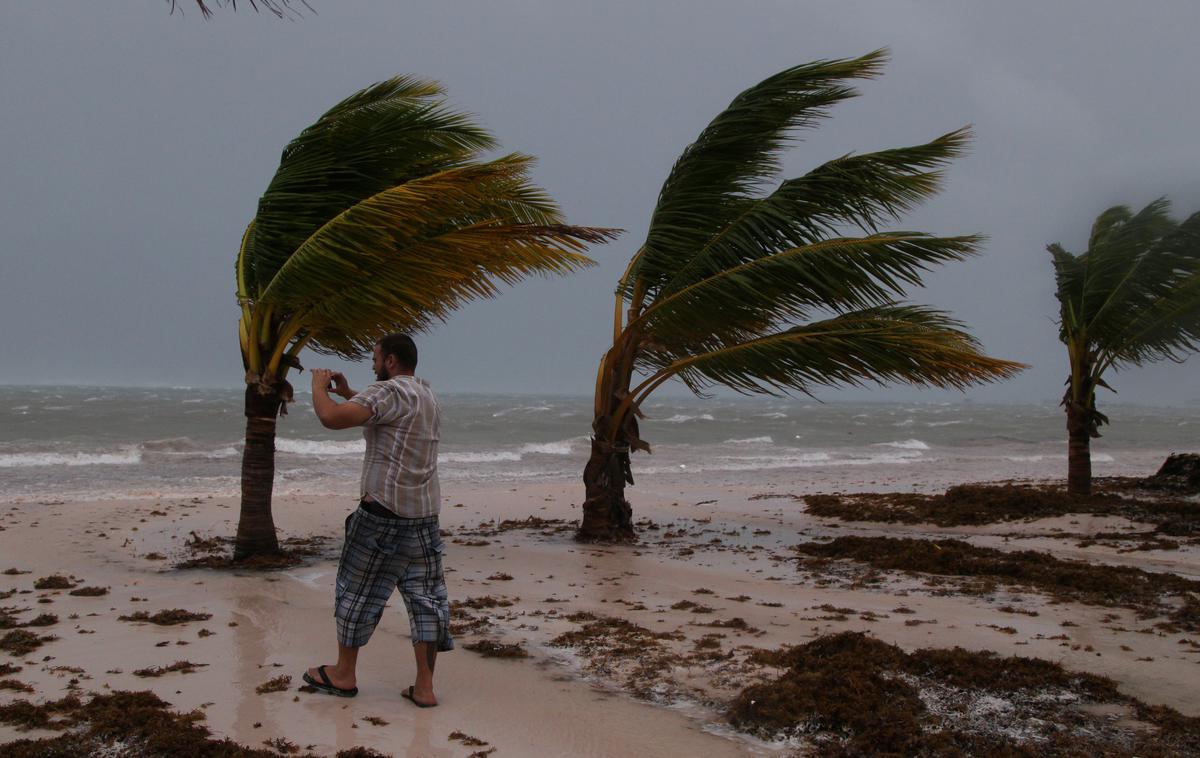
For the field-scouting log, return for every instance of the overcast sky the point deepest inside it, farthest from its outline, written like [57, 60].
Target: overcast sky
[134, 145]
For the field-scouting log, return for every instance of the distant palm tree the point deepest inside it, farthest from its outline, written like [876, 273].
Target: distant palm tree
[381, 217]
[1133, 297]
[727, 288]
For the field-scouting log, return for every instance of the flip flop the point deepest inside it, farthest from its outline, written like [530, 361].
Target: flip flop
[327, 686]
[408, 695]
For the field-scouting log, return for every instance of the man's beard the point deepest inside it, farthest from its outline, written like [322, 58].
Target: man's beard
[381, 375]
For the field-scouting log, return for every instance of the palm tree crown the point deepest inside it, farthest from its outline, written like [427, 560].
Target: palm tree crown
[767, 290]
[1131, 298]
[382, 217]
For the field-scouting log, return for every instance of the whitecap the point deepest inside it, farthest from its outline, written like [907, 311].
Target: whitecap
[320, 447]
[751, 441]
[905, 445]
[563, 447]
[942, 423]
[522, 409]
[128, 457]
[679, 418]
[479, 457]
[772, 415]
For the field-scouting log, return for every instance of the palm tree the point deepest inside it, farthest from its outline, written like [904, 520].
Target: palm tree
[729, 285]
[381, 217]
[1133, 297]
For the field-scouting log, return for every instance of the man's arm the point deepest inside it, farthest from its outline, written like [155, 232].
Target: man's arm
[331, 414]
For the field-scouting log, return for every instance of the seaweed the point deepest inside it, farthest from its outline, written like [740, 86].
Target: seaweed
[277, 684]
[185, 667]
[1068, 580]
[974, 504]
[19, 642]
[89, 591]
[494, 649]
[119, 723]
[852, 695]
[167, 617]
[53, 582]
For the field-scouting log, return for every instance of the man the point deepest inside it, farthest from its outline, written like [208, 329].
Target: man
[392, 539]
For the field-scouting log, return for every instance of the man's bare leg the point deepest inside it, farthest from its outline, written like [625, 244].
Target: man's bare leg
[341, 673]
[426, 655]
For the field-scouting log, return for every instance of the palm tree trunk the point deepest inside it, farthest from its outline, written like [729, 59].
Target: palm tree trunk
[256, 527]
[607, 515]
[1079, 451]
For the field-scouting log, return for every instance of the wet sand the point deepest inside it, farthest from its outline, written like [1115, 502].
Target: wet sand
[713, 576]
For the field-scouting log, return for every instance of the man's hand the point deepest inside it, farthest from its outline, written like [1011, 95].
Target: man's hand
[321, 379]
[341, 386]
[331, 414]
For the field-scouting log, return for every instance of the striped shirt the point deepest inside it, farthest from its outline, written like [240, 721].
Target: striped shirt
[400, 466]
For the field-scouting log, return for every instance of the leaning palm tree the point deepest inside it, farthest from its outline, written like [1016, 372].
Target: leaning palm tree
[763, 293]
[381, 217]
[1133, 297]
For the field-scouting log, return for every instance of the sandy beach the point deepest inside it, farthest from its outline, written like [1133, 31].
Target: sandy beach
[712, 579]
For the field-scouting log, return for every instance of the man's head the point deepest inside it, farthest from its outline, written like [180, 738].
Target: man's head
[395, 355]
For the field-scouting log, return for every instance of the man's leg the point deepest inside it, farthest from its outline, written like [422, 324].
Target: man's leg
[426, 655]
[363, 585]
[423, 588]
[342, 673]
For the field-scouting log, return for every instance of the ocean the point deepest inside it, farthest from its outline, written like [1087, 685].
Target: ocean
[106, 442]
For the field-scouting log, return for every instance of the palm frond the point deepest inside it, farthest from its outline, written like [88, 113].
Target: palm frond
[1158, 316]
[859, 190]
[1069, 274]
[418, 251]
[277, 8]
[735, 154]
[1167, 330]
[384, 135]
[894, 343]
[1120, 267]
[841, 274]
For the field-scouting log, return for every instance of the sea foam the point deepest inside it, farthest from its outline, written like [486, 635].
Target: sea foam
[130, 457]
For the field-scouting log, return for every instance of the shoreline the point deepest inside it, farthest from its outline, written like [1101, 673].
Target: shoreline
[704, 544]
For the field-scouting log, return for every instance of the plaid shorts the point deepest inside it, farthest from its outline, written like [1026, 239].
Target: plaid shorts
[379, 555]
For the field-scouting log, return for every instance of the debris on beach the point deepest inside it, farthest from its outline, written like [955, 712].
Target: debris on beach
[53, 582]
[276, 684]
[493, 649]
[1078, 581]
[850, 694]
[183, 667]
[167, 617]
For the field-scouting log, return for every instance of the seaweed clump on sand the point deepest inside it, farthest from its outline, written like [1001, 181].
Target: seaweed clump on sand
[974, 504]
[493, 649]
[186, 667]
[217, 553]
[1078, 581]
[89, 592]
[19, 642]
[166, 617]
[126, 724]
[615, 646]
[54, 582]
[851, 695]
